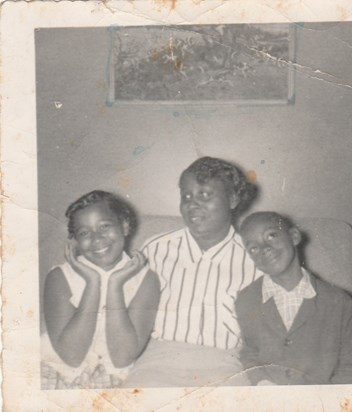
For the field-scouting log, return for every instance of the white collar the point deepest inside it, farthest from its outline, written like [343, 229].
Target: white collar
[119, 265]
[197, 252]
[304, 289]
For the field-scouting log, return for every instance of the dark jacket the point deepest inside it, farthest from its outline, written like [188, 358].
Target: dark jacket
[316, 350]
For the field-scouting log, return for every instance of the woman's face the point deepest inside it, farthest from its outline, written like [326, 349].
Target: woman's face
[206, 209]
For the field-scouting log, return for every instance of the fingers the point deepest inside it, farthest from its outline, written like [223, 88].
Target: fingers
[71, 251]
[138, 259]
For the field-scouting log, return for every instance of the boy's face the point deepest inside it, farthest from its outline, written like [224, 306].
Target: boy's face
[271, 246]
[205, 208]
[100, 235]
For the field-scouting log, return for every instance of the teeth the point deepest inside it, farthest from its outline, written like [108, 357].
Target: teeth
[101, 251]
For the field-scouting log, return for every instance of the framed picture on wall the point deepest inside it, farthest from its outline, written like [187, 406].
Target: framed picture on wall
[232, 63]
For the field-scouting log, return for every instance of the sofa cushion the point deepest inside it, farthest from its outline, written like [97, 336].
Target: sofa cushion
[326, 249]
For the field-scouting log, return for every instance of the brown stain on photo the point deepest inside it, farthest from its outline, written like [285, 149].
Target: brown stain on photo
[346, 406]
[102, 398]
[167, 3]
[9, 247]
[251, 176]
[342, 13]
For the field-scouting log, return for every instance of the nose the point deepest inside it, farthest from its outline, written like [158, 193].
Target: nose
[96, 237]
[266, 250]
[193, 202]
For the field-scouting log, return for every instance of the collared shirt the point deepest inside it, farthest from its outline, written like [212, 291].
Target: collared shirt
[199, 288]
[288, 302]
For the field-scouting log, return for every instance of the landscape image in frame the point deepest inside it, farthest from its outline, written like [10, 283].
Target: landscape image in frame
[205, 63]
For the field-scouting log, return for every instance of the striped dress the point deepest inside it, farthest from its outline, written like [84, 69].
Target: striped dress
[199, 288]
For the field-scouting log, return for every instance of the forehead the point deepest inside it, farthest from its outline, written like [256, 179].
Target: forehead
[100, 210]
[261, 225]
[190, 181]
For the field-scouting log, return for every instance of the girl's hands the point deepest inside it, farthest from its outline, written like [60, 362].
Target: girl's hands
[130, 269]
[87, 273]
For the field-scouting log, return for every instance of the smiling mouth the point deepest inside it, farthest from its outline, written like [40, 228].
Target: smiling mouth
[270, 260]
[101, 251]
[195, 218]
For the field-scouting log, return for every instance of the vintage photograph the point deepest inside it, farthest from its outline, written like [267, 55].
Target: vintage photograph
[176, 220]
[184, 241]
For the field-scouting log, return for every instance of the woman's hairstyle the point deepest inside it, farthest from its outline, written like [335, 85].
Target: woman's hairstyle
[207, 168]
[122, 209]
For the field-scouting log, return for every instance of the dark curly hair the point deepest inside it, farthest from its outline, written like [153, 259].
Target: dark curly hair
[207, 168]
[284, 222]
[122, 209]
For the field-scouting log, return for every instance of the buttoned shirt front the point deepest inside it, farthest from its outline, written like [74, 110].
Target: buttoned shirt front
[199, 288]
[288, 303]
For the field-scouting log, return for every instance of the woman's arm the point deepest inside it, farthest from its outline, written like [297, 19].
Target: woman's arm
[128, 329]
[71, 329]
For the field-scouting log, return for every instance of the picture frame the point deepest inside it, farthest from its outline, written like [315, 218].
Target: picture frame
[240, 64]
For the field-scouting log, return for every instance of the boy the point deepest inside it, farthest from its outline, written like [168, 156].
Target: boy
[296, 328]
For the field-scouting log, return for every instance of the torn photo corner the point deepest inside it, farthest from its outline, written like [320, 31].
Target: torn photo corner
[121, 97]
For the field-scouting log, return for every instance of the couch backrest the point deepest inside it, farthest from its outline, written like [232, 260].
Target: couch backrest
[327, 252]
[327, 249]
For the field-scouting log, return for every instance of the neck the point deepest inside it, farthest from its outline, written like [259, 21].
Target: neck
[291, 278]
[207, 241]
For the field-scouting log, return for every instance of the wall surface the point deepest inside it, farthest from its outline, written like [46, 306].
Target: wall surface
[301, 153]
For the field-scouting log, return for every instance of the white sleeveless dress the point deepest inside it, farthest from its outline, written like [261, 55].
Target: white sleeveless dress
[97, 369]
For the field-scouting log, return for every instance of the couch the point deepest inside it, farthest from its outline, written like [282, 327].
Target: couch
[327, 248]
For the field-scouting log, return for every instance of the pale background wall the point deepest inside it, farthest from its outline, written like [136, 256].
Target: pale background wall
[301, 153]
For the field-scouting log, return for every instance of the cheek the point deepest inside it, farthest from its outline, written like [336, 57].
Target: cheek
[82, 244]
[117, 237]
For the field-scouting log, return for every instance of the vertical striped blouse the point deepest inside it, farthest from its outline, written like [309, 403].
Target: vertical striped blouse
[199, 288]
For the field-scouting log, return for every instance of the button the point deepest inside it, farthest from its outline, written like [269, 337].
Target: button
[288, 342]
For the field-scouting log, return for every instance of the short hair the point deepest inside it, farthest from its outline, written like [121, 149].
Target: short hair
[122, 209]
[207, 168]
[283, 221]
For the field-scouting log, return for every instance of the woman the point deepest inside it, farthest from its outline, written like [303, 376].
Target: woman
[201, 269]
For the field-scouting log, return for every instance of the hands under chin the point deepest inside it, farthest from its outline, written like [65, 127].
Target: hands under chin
[86, 272]
[130, 269]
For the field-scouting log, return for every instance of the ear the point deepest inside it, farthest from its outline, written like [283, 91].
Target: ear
[125, 228]
[295, 235]
[234, 201]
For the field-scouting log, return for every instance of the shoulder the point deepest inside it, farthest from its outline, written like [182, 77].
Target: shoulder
[328, 292]
[56, 277]
[163, 238]
[250, 294]
[237, 240]
[56, 285]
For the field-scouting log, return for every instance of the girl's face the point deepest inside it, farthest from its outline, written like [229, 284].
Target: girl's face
[206, 208]
[100, 235]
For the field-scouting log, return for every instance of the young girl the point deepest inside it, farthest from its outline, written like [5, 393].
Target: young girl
[100, 305]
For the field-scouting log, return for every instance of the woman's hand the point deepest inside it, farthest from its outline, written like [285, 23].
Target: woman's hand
[130, 269]
[86, 272]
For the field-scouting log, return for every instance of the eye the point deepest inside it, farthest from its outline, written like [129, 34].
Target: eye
[204, 194]
[272, 236]
[82, 234]
[185, 197]
[253, 250]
